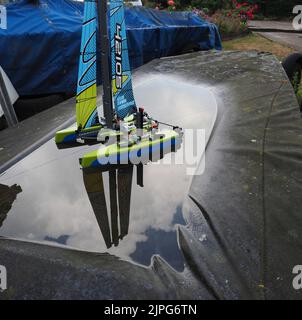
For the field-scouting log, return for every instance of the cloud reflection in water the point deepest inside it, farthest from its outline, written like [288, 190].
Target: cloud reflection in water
[54, 202]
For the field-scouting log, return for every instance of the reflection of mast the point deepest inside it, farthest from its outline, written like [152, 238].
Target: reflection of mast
[124, 196]
[7, 196]
[113, 207]
[120, 184]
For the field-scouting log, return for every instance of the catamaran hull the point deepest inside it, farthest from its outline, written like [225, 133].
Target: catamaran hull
[71, 135]
[141, 153]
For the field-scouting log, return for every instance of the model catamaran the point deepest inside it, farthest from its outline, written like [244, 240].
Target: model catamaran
[133, 130]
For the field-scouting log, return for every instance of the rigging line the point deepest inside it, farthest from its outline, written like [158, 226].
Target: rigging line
[166, 124]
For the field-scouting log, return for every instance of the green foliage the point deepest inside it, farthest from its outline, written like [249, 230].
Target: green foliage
[296, 81]
[297, 84]
[299, 94]
[229, 26]
[268, 8]
[211, 5]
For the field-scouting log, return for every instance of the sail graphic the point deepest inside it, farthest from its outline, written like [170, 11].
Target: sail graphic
[86, 112]
[121, 74]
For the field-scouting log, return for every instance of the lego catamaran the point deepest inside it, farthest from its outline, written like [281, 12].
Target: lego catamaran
[124, 129]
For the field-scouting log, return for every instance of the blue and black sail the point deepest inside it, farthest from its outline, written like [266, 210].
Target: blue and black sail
[122, 90]
[116, 73]
[86, 110]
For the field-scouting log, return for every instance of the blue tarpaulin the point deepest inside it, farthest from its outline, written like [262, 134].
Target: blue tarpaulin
[39, 51]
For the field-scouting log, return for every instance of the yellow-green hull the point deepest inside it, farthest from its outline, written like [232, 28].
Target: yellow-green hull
[165, 141]
[71, 135]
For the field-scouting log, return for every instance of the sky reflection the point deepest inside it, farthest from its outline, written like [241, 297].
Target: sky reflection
[54, 205]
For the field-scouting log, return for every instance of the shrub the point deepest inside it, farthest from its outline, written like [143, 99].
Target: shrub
[211, 5]
[229, 26]
[245, 11]
[231, 20]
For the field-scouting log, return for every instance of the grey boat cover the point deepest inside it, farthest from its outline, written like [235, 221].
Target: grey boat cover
[247, 204]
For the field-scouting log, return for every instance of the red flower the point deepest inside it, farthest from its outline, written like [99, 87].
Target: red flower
[250, 15]
[171, 3]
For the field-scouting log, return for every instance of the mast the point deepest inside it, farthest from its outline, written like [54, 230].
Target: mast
[106, 62]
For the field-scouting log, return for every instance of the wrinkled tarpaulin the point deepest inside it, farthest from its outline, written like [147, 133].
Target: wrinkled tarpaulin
[246, 206]
[40, 49]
